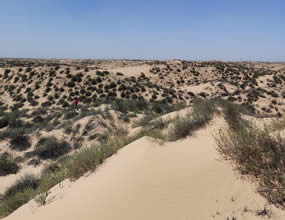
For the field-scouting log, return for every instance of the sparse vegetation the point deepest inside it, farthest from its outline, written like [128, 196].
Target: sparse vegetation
[202, 113]
[22, 184]
[7, 165]
[53, 87]
[51, 148]
[18, 194]
[256, 153]
[20, 142]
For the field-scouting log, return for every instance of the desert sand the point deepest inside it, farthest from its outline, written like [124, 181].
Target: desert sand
[145, 180]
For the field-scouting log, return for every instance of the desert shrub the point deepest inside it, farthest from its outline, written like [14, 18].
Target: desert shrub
[258, 154]
[159, 124]
[51, 148]
[7, 165]
[11, 119]
[56, 96]
[154, 97]
[157, 108]
[4, 122]
[232, 116]
[46, 104]
[65, 104]
[11, 88]
[28, 181]
[13, 132]
[202, 113]
[6, 72]
[182, 127]
[20, 143]
[12, 203]
[203, 110]
[118, 105]
[70, 84]
[144, 121]
[24, 78]
[68, 129]
[50, 98]
[125, 106]
[70, 114]
[29, 69]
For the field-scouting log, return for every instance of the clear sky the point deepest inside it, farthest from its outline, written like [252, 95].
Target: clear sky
[147, 29]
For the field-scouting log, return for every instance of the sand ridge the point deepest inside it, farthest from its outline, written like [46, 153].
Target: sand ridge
[145, 180]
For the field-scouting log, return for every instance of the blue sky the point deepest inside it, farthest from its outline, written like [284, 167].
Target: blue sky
[150, 29]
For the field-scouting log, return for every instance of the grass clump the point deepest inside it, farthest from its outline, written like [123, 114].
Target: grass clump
[202, 113]
[7, 165]
[51, 148]
[182, 127]
[69, 114]
[144, 121]
[159, 124]
[25, 182]
[10, 204]
[18, 194]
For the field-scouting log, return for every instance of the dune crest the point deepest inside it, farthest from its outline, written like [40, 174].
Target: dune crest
[145, 180]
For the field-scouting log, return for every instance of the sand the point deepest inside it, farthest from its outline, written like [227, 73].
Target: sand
[145, 180]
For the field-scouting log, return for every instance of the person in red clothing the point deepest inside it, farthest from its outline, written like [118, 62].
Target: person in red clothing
[76, 103]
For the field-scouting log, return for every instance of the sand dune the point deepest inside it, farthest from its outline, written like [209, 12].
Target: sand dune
[145, 180]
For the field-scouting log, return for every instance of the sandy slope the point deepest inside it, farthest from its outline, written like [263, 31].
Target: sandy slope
[182, 180]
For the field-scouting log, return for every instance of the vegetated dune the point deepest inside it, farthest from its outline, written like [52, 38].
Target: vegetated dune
[145, 180]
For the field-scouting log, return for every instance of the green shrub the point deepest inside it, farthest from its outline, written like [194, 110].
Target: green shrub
[70, 114]
[182, 127]
[202, 113]
[13, 132]
[144, 121]
[8, 205]
[159, 124]
[28, 181]
[203, 110]
[258, 154]
[70, 84]
[4, 122]
[7, 165]
[51, 148]
[20, 142]
[13, 120]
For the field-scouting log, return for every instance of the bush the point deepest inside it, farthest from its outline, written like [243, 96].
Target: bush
[20, 142]
[258, 154]
[4, 122]
[203, 110]
[7, 165]
[14, 122]
[202, 113]
[159, 124]
[51, 148]
[144, 121]
[70, 114]
[182, 127]
[28, 181]
[70, 84]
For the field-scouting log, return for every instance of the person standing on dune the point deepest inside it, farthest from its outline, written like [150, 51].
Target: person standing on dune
[76, 103]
